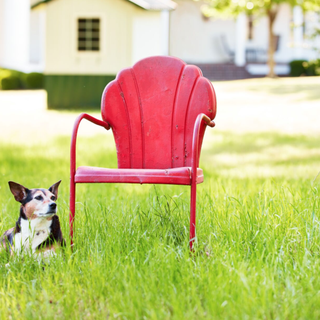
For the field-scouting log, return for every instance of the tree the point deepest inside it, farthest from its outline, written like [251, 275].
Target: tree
[268, 8]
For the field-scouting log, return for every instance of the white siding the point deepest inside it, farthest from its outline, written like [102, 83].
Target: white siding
[198, 40]
[14, 38]
[128, 33]
[37, 36]
[146, 35]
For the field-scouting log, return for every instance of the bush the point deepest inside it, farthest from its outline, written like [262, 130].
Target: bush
[297, 68]
[13, 80]
[10, 83]
[34, 80]
[304, 67]
[312, 67]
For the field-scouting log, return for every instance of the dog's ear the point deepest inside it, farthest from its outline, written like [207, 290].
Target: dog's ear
[20, 192]
[54, 188]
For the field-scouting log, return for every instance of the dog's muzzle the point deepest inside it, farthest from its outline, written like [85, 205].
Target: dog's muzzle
[52, 208]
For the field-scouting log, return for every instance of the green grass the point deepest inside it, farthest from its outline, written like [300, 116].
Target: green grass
[256, 254]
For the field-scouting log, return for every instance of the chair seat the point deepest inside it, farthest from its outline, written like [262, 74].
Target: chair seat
[180, 176]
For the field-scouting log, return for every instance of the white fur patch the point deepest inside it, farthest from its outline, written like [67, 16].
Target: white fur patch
[33, 233]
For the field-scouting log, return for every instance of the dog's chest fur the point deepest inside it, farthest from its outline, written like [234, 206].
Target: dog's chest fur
[32, 234]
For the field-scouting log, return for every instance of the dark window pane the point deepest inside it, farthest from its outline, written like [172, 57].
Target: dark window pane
[88, 34]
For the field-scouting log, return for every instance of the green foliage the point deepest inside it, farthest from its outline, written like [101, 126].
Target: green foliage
[297, 68]
[313, 67]
[11, 79]
[304, 67]
[257, 254]
[15, 80]
[10, 83]
[34, 80]
[250, 7]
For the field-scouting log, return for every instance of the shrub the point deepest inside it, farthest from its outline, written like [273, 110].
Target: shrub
[297, 68]
[312, 67]
[34, 80]
[13, 79]
[10, 83]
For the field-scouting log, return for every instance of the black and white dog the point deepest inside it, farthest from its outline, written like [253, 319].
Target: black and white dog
[38, 228]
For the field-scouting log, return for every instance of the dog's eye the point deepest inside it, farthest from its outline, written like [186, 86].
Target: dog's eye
[39, 198]
[53, 198]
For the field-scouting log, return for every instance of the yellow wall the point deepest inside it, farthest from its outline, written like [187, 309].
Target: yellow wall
[116, 38]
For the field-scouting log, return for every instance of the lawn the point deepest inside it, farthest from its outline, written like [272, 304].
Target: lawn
[257, 251]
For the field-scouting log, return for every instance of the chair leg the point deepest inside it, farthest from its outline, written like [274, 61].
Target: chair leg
[72, 207]
[193, 204]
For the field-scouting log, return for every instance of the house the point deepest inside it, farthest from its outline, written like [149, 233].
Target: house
[243, 41]
[80, 45]
[87, 42]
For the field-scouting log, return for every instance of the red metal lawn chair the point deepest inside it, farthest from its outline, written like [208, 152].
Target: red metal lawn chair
[158, 111]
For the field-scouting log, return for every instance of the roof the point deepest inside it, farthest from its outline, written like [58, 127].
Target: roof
[35, 3]
[154, 5]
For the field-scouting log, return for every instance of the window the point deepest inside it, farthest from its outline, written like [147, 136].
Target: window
[88, 34]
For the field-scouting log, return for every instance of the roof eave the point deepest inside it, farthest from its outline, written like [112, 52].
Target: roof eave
[38, 3]
[168, 5]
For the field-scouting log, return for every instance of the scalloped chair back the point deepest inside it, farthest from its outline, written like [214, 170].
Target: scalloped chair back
[149, 109]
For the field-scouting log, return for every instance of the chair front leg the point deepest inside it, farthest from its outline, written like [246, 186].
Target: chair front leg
[72, 207]
[73, 163]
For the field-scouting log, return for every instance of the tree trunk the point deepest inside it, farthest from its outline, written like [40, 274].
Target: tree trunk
[272, 13]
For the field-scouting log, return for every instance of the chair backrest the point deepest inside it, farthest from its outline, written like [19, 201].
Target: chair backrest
[152, 108]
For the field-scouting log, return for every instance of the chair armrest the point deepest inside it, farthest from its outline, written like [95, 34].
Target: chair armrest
[207, 120]
[200, 120]
[75, 134]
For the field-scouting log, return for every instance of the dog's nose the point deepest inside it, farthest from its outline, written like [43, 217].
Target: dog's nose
[52, 206]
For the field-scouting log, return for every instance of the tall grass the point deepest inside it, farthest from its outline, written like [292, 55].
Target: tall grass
[256, 253]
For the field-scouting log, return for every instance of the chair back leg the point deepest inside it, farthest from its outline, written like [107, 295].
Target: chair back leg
[193, 206]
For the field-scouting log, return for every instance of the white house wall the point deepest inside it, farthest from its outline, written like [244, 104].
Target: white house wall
[2, 32]
[37, 37]
[146, 30]
[196, 39]
[311, 47]
[14, 34]
[127, 34]
[281, 27]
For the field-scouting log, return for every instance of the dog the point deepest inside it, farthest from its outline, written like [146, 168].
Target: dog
[38, 227]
